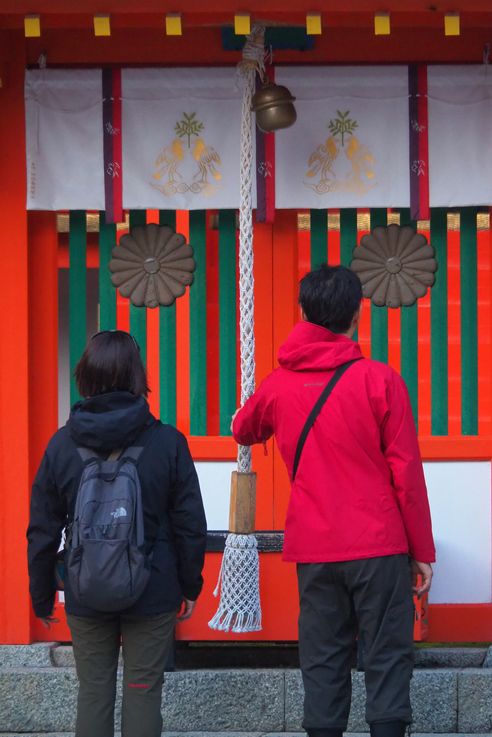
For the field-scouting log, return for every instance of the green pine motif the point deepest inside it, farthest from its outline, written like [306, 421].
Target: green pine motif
[188, 126]
[342, 125]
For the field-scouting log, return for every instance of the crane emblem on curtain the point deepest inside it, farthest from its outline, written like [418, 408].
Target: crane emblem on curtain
[187, 163]
[342, 163]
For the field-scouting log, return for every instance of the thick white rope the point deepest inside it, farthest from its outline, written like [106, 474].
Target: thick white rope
[253, 63]
[239, 607]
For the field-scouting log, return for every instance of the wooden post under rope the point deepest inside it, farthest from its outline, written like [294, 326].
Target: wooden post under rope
[242, 509]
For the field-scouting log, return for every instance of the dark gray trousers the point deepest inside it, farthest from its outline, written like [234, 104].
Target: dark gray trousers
[372, 598]
[146, 644]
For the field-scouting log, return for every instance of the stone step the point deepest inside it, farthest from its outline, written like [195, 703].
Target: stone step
[202, 655]
[232, 734]
[38, 695]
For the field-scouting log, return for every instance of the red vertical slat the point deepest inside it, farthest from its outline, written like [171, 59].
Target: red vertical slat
[303, 249]
[122, 304]
[424, 363]
[333, 242]
[364, 331]
[183, 342]
[394, 337]
[484, 296]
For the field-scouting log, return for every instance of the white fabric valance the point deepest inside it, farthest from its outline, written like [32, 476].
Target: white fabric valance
[181, 128]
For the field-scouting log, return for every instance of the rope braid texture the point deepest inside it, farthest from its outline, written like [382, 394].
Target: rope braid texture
[239, 607]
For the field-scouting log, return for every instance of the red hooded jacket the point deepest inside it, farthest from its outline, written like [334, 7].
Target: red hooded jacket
[359, 491]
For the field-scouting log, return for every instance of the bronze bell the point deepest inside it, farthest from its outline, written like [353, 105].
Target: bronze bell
[273, 107]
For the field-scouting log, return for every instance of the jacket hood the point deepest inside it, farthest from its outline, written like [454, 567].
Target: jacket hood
[311, 347]
[109, 421]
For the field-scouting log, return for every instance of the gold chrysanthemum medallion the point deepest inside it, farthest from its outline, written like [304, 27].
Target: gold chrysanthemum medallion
[396, 265]
[152, 266]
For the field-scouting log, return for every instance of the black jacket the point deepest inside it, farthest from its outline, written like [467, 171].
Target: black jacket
[174, 519]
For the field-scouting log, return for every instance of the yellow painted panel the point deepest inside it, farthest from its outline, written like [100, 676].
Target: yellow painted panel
[452, 24]
[173, 24]
[313, 24]
[102, 25]
[32, 26]
[242, 24]
[382, 25]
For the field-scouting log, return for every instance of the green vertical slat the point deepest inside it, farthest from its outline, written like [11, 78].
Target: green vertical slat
[138, 315]
[107, 292]
[379, 315]
[348, 235]
[348, 241]
[167, 346]
[227, 319]
[469, 317]
[198, 327]
[409, 339]
[77, 304]
[439, 325]
[319, 238]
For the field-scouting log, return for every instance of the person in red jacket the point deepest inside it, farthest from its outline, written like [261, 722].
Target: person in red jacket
[358, 524]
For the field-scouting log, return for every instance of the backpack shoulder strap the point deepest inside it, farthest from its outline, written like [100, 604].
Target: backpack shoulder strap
[134, 452]
[115, 454]
[88, 455]
[317, 409]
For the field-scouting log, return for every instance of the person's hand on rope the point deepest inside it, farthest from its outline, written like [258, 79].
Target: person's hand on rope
[186, 610]
[424, 570]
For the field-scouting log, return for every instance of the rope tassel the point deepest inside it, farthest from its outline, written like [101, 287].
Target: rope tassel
[239, 608]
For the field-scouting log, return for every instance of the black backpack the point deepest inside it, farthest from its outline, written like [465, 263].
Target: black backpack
[105, 560]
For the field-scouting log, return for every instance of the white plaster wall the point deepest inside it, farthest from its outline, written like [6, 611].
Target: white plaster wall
[215, 484]
[460, 497]
[460, 500]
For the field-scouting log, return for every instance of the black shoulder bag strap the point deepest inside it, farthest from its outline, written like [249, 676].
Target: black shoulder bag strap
[316, 410]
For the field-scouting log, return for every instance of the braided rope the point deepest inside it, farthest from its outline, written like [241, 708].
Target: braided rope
[239, 607]
[253, 62]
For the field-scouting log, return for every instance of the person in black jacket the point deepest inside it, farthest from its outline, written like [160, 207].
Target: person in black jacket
[115, 415]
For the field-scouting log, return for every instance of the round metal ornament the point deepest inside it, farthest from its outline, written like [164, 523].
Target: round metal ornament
[152, 266]
[273, 105]
[396, 265]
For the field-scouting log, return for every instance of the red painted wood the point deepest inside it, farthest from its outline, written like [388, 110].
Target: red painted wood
[43, 333]
[484, 295]
[183, 342]
[286, 314]
[265, 358]
[14, 353]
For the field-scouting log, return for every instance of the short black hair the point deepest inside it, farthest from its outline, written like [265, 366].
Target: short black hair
[111, 362]
[330, 296]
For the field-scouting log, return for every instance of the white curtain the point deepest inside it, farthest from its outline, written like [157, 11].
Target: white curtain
[460, 135]
[349, 146]
[64, 139]
[181, 138]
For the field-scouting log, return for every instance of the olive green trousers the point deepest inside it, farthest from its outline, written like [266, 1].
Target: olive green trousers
[146, 643]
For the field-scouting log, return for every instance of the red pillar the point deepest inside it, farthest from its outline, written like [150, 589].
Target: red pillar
[14, 383]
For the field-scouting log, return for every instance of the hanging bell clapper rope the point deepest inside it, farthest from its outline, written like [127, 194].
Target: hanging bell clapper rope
[239, 608]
